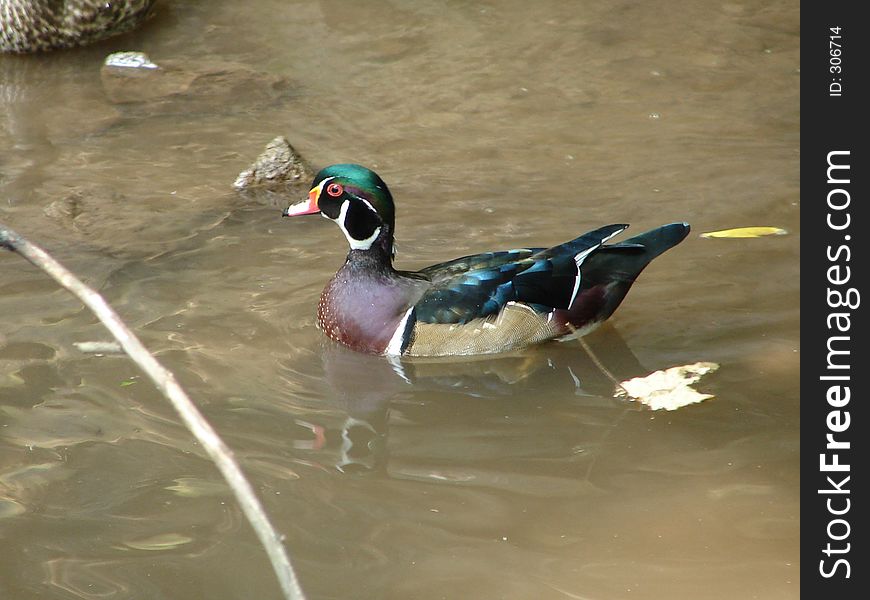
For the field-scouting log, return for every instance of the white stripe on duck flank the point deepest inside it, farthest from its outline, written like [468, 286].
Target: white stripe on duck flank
[394, 348]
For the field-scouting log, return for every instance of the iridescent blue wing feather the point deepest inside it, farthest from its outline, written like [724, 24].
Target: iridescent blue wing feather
[459, 266]
[464, 296]
[481, 285]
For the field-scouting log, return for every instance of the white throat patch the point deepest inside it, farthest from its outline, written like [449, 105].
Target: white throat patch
[355, 243]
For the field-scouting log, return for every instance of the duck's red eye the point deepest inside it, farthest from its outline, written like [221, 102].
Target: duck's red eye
[335, 190]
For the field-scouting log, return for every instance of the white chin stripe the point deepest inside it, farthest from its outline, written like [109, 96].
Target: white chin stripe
[355, 243]
[362, 244]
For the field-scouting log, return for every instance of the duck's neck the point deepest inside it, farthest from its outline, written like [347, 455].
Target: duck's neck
[376, 258]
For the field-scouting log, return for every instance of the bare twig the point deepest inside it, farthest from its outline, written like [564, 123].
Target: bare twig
[597, 362]
[166, 383]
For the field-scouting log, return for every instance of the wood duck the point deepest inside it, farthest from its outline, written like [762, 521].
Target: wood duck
[479, 304]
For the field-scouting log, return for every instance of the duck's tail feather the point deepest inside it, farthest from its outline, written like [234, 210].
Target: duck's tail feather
[625, 260]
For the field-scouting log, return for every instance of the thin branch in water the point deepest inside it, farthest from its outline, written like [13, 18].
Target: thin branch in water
[166, 383]
[597, 362]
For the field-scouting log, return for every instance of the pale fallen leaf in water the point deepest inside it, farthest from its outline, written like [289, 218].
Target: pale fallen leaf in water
[745, 232]
[669, 389]
[164, 541]
[98, 347]
[192, 487]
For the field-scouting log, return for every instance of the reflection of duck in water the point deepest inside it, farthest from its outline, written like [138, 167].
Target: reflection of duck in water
[36, 25]
[481, 304]
[366, 390]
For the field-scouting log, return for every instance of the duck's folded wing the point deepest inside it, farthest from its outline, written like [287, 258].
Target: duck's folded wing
[487, 260]
[481, 285]
[459, 296]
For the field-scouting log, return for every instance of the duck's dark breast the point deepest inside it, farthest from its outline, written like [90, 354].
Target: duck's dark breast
[361, 313]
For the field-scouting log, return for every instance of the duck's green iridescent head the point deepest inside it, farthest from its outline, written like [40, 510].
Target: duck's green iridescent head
[355, 198]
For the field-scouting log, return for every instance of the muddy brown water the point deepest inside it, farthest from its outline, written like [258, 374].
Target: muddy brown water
[497, 125]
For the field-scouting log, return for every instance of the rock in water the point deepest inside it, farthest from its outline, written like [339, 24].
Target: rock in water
[278, 164]
[166, 86]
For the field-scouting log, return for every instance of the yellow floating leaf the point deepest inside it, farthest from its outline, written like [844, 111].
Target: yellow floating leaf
[745, 232]
[669, 389]
[164, 541]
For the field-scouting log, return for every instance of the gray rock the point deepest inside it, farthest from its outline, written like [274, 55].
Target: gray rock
[278, 164]
[134, 82]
